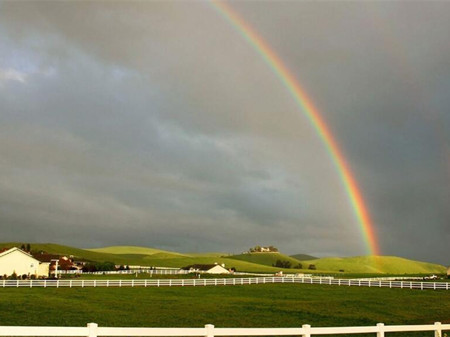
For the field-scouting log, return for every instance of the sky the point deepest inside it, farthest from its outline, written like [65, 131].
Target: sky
[156, 123]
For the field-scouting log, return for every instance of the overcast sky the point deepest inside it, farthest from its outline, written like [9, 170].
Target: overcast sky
[157, 124]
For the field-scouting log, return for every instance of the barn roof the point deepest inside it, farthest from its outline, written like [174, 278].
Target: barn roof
[202, 267]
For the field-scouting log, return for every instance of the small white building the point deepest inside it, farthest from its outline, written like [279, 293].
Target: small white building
[207, 268]
[17, 261]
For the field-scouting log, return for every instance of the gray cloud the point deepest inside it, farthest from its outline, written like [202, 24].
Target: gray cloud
[156, 123]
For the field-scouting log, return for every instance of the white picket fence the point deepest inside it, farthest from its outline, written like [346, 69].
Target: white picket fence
[222, 282]
[93, 330]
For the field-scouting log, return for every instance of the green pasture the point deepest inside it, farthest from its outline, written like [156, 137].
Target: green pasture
[224, 306]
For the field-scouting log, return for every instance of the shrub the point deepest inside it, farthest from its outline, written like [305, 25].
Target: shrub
[282, 264]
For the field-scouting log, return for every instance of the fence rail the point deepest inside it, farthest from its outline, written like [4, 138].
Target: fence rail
[128, 272]
[93, 330]
[221, 282]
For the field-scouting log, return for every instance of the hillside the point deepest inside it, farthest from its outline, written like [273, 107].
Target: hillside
[64, 250]
[254, 262]
[303, 257]
[266, 259]
[376, 264]
[132, 250]
[126, 255]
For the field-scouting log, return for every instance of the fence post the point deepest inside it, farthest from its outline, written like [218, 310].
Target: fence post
[92, 327]
[306, 328]
[209, 328]
[380, 332]
[437, 329]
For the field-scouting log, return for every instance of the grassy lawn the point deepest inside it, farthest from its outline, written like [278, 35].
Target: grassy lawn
[238, 306]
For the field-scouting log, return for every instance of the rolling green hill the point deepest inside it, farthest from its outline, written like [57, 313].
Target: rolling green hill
[133, 250]
[158, 258]
[254, 262]
[376, 264]
[266, 259]
[52, 248]
[303, 257]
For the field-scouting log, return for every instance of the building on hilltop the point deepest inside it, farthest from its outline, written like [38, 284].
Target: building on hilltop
[260, 249]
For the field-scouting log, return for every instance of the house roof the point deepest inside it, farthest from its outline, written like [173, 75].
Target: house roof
[9, 251]
[44, 257]
[203, 267]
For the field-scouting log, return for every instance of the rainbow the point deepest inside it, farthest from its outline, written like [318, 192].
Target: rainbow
[314, 117]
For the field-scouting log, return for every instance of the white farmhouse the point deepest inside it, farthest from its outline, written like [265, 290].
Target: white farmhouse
[17, 261]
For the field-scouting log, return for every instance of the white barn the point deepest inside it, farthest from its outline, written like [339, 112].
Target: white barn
[17, 261]
[207, 268]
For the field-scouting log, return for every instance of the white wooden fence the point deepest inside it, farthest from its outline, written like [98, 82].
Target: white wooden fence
[93, 330]
[221, 282]
[128, 272]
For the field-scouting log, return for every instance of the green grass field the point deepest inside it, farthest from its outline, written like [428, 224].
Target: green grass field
[232, 306]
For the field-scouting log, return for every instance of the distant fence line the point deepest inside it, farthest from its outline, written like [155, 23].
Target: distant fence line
[93, 330]
[128, 272]
[222, 282]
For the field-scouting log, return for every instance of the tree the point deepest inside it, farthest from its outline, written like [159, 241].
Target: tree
[28, 247]
[282, 264]
[312, 267]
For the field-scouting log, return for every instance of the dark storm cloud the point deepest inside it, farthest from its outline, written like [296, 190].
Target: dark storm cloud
[156, 123]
